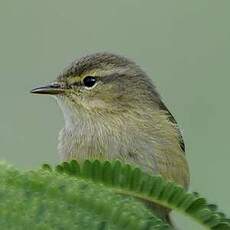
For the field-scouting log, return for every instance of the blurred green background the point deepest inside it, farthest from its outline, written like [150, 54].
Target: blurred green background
[183, 45]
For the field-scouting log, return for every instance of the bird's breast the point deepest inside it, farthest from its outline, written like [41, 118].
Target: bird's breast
[98, 144]
[154, 149]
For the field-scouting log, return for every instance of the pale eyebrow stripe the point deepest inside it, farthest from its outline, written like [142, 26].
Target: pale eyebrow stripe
[105, 72]
[100, 73]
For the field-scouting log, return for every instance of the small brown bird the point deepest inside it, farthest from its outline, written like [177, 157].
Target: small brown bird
[113, 111]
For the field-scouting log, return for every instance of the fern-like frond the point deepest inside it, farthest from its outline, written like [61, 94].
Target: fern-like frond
[125, 179]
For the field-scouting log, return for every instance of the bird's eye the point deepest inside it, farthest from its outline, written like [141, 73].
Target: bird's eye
[89, 81]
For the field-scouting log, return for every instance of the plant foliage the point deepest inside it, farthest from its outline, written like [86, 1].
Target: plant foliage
[95, 195]
[43, 200]
[128, 180]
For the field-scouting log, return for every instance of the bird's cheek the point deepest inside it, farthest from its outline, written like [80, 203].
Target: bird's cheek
[95, 103]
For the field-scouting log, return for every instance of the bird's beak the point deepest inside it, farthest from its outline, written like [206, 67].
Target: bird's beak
[50, 89]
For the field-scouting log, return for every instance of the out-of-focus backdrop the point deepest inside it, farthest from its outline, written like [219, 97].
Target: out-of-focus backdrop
[183, 45]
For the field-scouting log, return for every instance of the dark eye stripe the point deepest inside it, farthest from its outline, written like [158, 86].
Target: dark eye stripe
[77, 83]
[88, 81]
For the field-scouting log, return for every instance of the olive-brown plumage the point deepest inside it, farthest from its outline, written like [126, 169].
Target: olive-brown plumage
[113, 111]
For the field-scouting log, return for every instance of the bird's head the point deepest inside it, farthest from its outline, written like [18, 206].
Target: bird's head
[101, 83]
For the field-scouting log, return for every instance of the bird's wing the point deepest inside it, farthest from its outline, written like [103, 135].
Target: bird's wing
[171, 162]
[173, 166]
[172, 119]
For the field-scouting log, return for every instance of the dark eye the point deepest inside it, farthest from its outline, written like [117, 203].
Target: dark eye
[89, 81]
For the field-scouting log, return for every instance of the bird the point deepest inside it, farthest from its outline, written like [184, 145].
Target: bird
[113, 111]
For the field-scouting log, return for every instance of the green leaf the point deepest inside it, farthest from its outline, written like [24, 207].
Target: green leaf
[53, 200]
[128, 180]
[96, 195]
